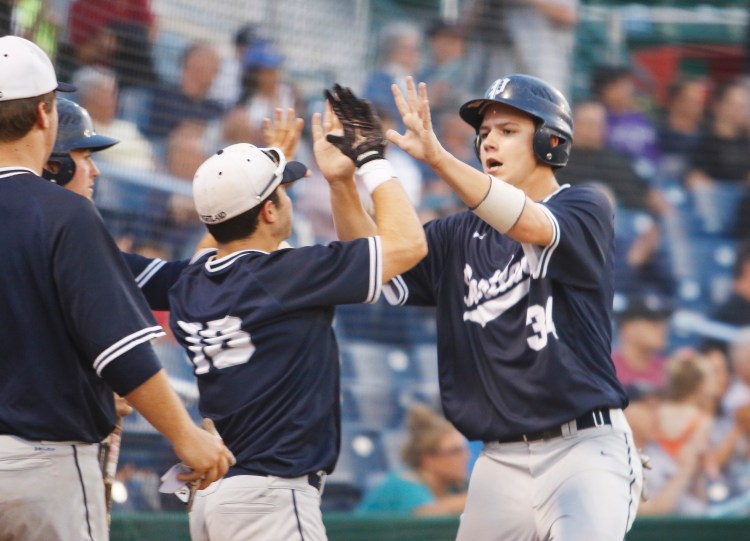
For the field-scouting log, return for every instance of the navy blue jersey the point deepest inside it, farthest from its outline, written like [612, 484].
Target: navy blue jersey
[155, 276]
[524, 332]
[257, 327]
[74, 324]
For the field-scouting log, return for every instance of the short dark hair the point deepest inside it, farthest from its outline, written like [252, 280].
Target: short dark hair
[604, 76]
[17, 117]
[243, 225]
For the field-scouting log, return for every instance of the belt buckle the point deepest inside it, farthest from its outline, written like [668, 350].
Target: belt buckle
[598, 418]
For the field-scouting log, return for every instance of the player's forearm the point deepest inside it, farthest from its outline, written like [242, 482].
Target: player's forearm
[531, 226]
[401, 233]
[159, 404]
[469, 184]
[349, 216]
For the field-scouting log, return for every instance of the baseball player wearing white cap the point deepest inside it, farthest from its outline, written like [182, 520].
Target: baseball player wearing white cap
[74, 328]
[257, 325]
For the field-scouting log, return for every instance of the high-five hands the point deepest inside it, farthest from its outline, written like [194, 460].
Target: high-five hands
[334, 165]
[283, 132]
[419, 140]
[362, 139]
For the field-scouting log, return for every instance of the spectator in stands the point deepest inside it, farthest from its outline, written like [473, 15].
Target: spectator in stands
[642, 263]
[629, 129]
[729, 447]
[719, 173]
[188, 100]
[227, 85]
[434, 479]
[97, 93]
[739, 355]
[186, 151]
[722, 152]
[736, 309]
[642, 340]
[680, 127]
[114, 33]
[535, 37]
[400, 54]
[263, 90]
[592, 160]
[446, 72]
[668, 481]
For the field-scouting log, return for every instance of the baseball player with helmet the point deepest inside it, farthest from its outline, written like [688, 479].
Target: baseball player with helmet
[257, 325]
[74, 329]
[523, 285]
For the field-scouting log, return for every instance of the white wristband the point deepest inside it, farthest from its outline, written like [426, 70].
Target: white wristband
[502, 206]
[375, 173]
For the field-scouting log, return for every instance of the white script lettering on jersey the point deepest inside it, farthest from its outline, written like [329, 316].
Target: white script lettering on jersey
[492, 296]
[221, 343]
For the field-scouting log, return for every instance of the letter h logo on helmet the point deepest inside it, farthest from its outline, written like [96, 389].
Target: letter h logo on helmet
[497, 88]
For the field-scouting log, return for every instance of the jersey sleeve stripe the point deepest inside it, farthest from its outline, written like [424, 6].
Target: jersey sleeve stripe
[124, 345]
[396, 292]
[376, 270]
[147, 273]
[541, 270]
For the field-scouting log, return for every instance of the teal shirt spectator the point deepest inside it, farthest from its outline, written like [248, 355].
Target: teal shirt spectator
[400, 492]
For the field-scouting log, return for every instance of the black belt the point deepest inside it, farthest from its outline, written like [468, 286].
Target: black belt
[599, 417]
[315, 480]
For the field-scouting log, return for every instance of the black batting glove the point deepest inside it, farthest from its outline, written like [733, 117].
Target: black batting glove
[363, 139]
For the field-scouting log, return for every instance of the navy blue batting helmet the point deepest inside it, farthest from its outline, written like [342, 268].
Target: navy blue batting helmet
[75, 131]
[540, 100]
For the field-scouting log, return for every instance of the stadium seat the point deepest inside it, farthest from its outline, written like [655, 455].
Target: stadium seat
[362, 458]
[373, 405]
[373, 362]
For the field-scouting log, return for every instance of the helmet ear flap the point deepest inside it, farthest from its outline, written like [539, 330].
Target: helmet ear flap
[65, 172]
[556, 156]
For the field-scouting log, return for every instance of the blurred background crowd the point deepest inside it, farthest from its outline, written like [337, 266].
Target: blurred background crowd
[660, 93]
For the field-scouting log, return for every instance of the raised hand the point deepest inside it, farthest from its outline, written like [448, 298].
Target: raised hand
[363, 139]
[334, 165]
[283, 132]
[419, 140]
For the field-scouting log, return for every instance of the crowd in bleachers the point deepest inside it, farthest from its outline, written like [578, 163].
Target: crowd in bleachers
[678, 174]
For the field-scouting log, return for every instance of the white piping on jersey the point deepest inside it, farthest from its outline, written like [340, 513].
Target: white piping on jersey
[124, 345]
[214, 265]
[396, 292]
[7, 172]
[376, 270]
[148, 273]
[557, 191]
[539, 262]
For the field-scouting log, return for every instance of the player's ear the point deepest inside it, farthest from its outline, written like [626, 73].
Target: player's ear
[44, 113]
[268, 211]
[53, 167]
[554, 140]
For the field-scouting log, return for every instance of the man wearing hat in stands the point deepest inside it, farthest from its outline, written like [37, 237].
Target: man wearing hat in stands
[643, 326]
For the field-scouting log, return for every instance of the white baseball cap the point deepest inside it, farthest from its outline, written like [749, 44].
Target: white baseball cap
[239, 177]
[26, 71]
